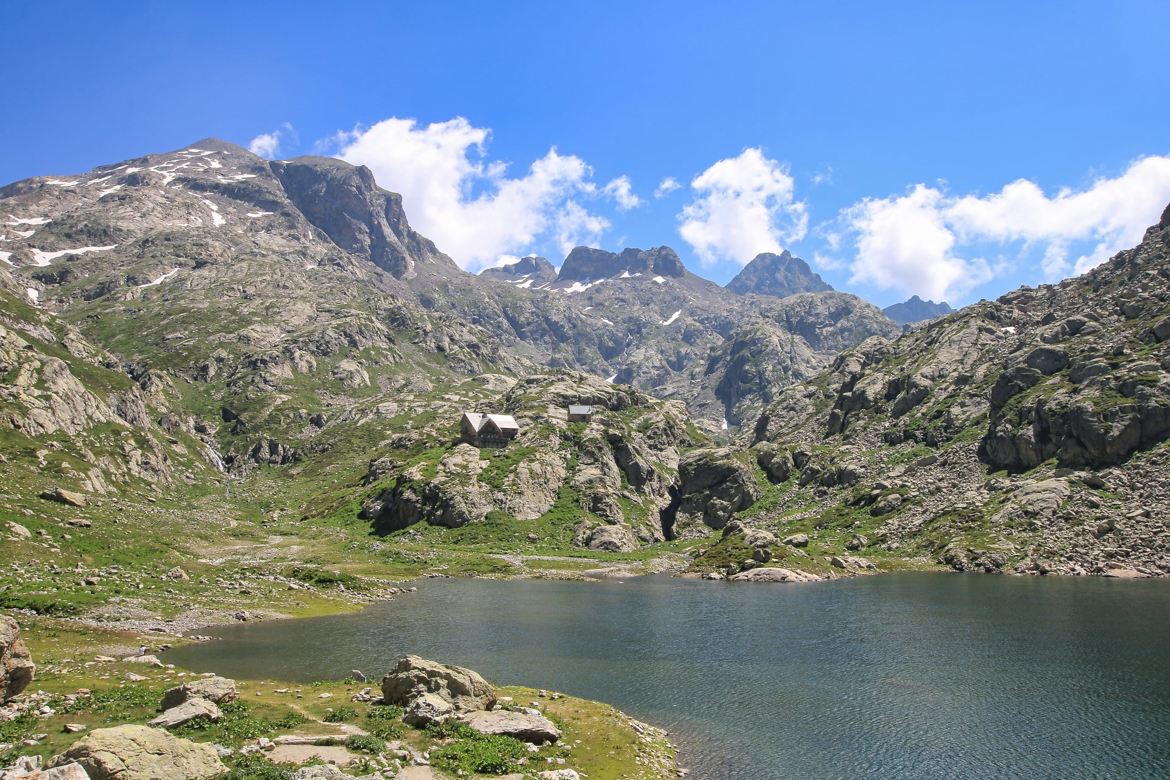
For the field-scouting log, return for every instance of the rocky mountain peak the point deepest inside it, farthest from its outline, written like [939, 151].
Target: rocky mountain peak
[915, 309]
[586, 264]
[777, 275]
[210, 144]
[529, 271]
[345, 202]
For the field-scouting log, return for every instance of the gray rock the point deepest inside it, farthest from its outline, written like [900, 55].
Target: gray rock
[1047, 360]
[428, 709]
[613, 538]
[67, 497]
[141, 753]
[413, 676]
[16, 666]
[536, 729]
[796, 540]
[771, 574]
[219, 690]
[191, 709]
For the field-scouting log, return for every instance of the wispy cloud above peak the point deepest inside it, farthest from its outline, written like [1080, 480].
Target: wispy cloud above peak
[622, 193]
[934, 244]
[471, 206]
[742, 206]
[269, 145]
[666, 186]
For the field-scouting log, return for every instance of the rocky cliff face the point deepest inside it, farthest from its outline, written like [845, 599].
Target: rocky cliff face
[1027, 432]
[347, 206]
[914, 309]
[604, 483]
[777, 275]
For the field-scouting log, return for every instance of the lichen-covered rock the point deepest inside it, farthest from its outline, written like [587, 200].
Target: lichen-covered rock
[414, 676]
[536, 729]
[427, 710]
[613, 538]
[773, 574]
[141, 753]
[219, 690]
[16, 665]
[191, 709]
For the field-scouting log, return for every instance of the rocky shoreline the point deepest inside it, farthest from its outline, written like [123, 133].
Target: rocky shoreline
[425, 721]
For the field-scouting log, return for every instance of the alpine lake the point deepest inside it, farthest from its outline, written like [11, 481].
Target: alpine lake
[900, 675]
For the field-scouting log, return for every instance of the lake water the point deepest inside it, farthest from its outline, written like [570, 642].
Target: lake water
[915, 675]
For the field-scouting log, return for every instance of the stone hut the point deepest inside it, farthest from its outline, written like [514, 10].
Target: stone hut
[488, 430]
[580, 413]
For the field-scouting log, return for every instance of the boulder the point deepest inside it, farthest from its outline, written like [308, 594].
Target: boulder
[63, 496]
[536, 729]
[427, 710]
[141, 753]
[148, 660]
[18, 531]
[1047, 360]
[219, 690]
[194, 708]
[414, 676]
[771, 574]
[796, 540]
[1043, 498]
[758, 537]
[613, 538]
[774, 460]
[29, 768]
[16, 666]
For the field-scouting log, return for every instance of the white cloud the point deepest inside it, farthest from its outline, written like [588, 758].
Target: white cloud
[742, 206]
[577, 227]
[922, 242]
[268, 145]
[466, 203]
[823, 177]
[1112, 214]
[903, 243]
[666, 186]
[621, 190]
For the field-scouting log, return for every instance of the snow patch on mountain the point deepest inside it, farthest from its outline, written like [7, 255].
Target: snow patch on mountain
[217, 219]
[672, 318]
[41, 259]
[160, 280]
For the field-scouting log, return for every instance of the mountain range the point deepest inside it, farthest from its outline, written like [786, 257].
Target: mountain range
[204, 317]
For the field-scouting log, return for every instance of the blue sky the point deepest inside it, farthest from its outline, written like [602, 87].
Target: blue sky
[875, 140]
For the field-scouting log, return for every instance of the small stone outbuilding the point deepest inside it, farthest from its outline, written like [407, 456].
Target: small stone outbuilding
[580, 413]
